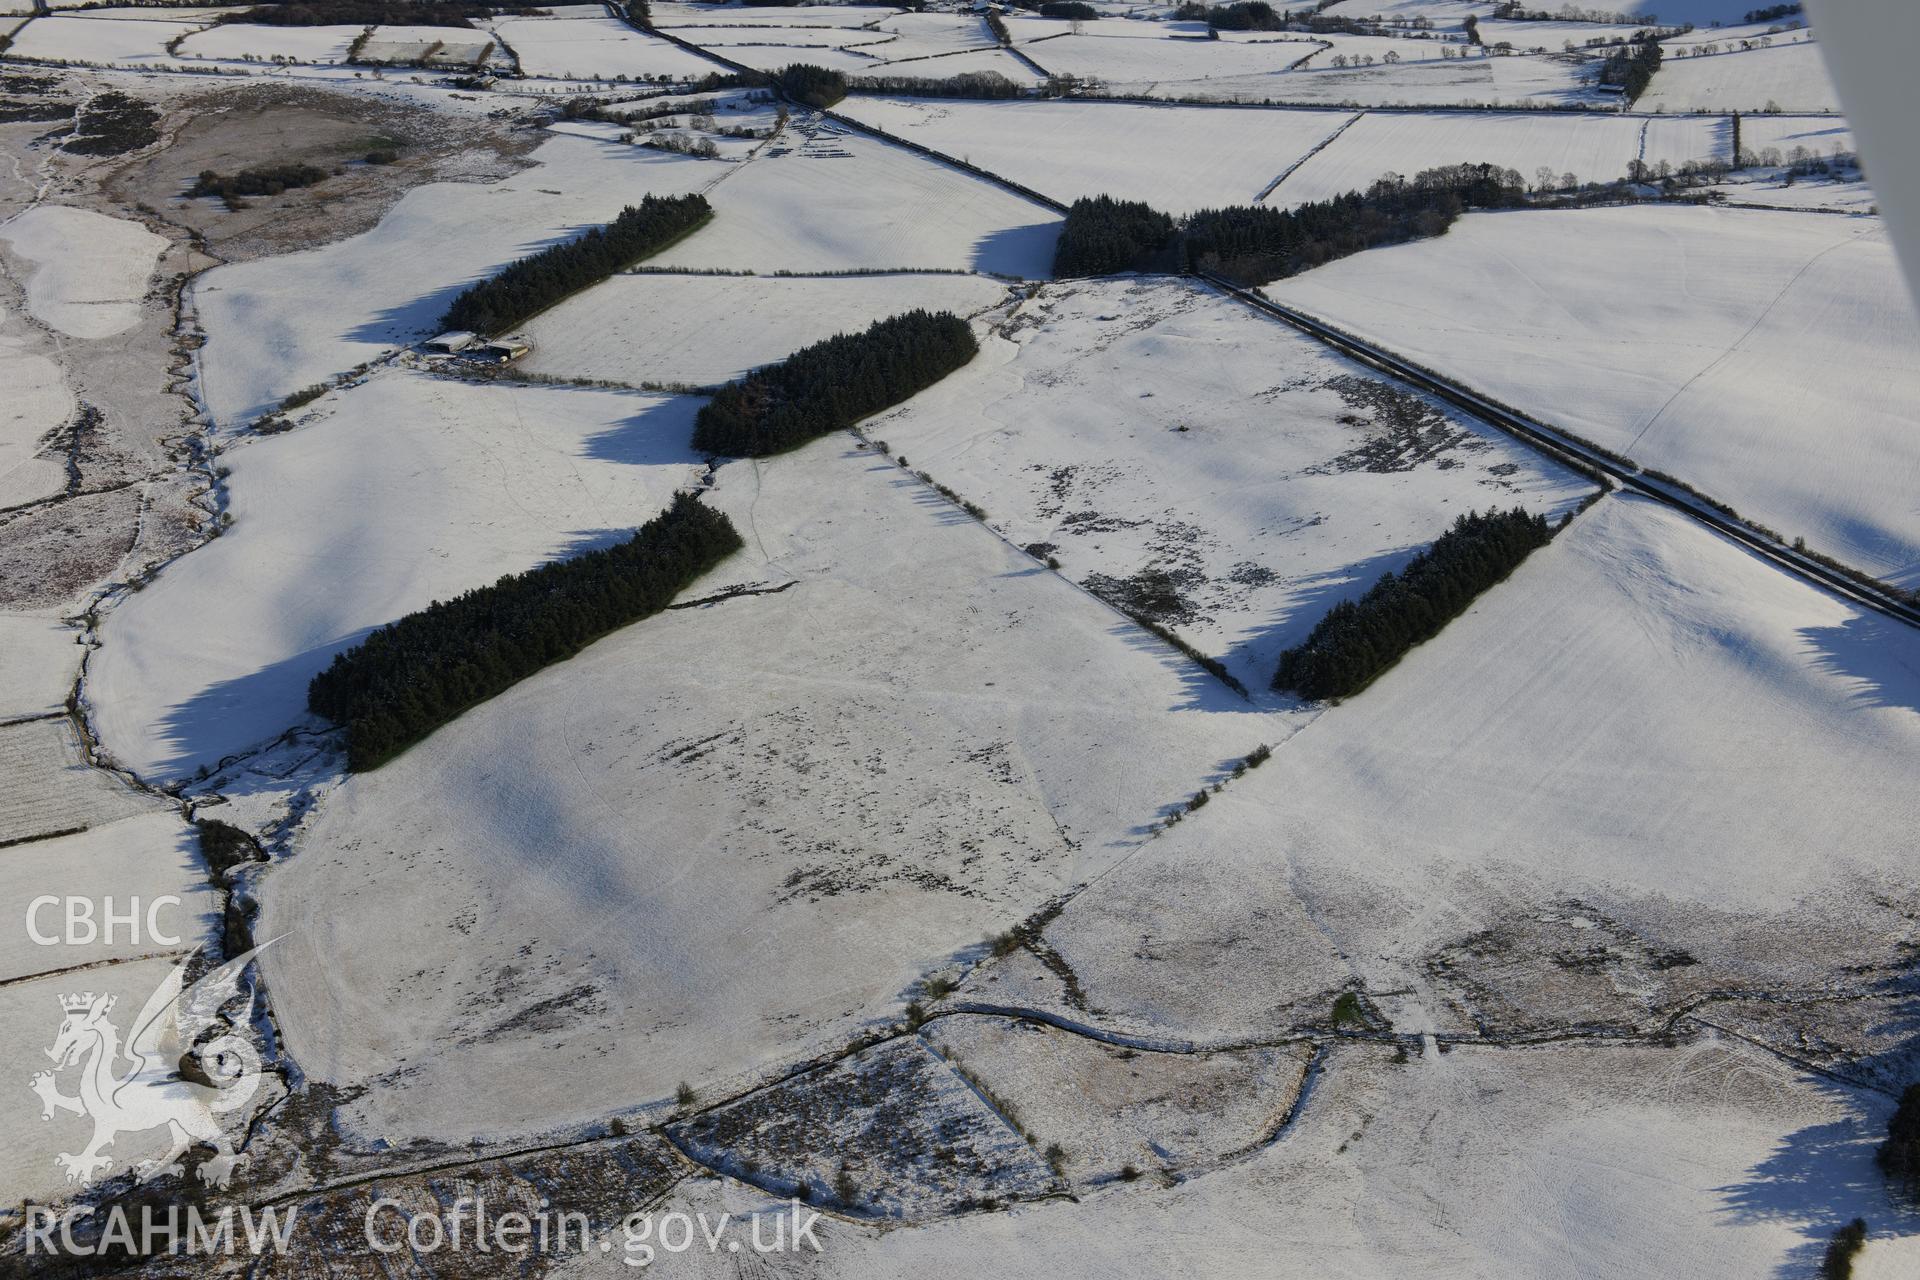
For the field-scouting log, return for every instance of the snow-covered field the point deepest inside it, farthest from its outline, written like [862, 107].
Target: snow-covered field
[1764, 357]
[1455, 82]
[705, 330]
[1645, 732]
[1783, 78]
[602, 47]
[241, 40]
[1443, 14]
[359, 298]
[43, 654]
[1170, 66]
[669, 13]
[1822, 135]
[396, 493]
[829, 199]
[1174, 158]
[1132, 428]
[89, 271]
[111, 36]
[1477, 1162]
[1592, 147]
[729, 834]
[34, 400]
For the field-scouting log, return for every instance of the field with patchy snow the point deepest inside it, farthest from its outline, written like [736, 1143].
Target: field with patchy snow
[89, 272]
[1183, 456]
[402, 491]
[1763, 357]
[731, 834]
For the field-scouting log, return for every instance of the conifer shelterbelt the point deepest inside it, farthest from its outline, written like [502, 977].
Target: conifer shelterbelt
[523, 289]
[1256, 244]
[412, 676]
[833, 384]
[1359, 639]
[1103, 235]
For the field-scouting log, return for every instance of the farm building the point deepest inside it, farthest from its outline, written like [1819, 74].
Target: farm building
[449, 343]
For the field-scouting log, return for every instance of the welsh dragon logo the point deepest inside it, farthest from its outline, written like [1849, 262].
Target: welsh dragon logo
[188, 1068]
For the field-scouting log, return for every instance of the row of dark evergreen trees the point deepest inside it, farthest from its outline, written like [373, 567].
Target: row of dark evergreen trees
[833, 384]
[1102, 235]
[269, 180]
[368, 13]
[1257, 243]
[525, 288]
[412, 676]
[1359, 639]
[1631, 67]
[1254, 244]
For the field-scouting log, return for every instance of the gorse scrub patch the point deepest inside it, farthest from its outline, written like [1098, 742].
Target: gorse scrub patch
[1103, 235]
[1359, 639]
[412, 676]
[525, 288]
[833, 384]
[268, 181]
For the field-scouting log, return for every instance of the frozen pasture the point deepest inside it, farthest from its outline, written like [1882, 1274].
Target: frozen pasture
[1592, 147]
[148, 857]
[52, 788]
[1464, 81]
[828, 199]
[1727, 1164]
[1173, 449]
[43, 656]
[435, 46]
[1765, 357]
[925, 35]
[1821, 135]
[398, 492]
[1645, 745]
[1735, 33]
[596, 48]
[705, 330]
[995, 59]
[89, 271]
[734, 834]
[1167, 67]
[1443, 14]
[670, 13]
[1790, 77]
[235, 41]
[360, 298]
[1174, 158]
[34, 401]
[850, 60]
[118, 37]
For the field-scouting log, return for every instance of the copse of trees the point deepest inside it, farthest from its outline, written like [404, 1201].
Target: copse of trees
[1899, 1155]
[1771, 12]
[1631, 67]
[967, 84]
[368, 13]
[525, 288]
[1359, 639]
[1257, 244]
[412, 676]
[816, 86]
[1072, 10]
[1103, 235]
[1243, 15]
[833, 384]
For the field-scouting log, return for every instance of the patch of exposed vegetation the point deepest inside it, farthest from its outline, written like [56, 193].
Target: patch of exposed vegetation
[271, 180]
[112, 123]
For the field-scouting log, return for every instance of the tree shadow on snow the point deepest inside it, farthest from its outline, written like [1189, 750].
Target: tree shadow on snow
[1025, 251]
[272, 700]
[659, 435]
[419, 317]
[1882, 655]
[1819, 1178]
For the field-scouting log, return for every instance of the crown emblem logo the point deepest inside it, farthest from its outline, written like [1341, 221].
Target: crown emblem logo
[79, 1002]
